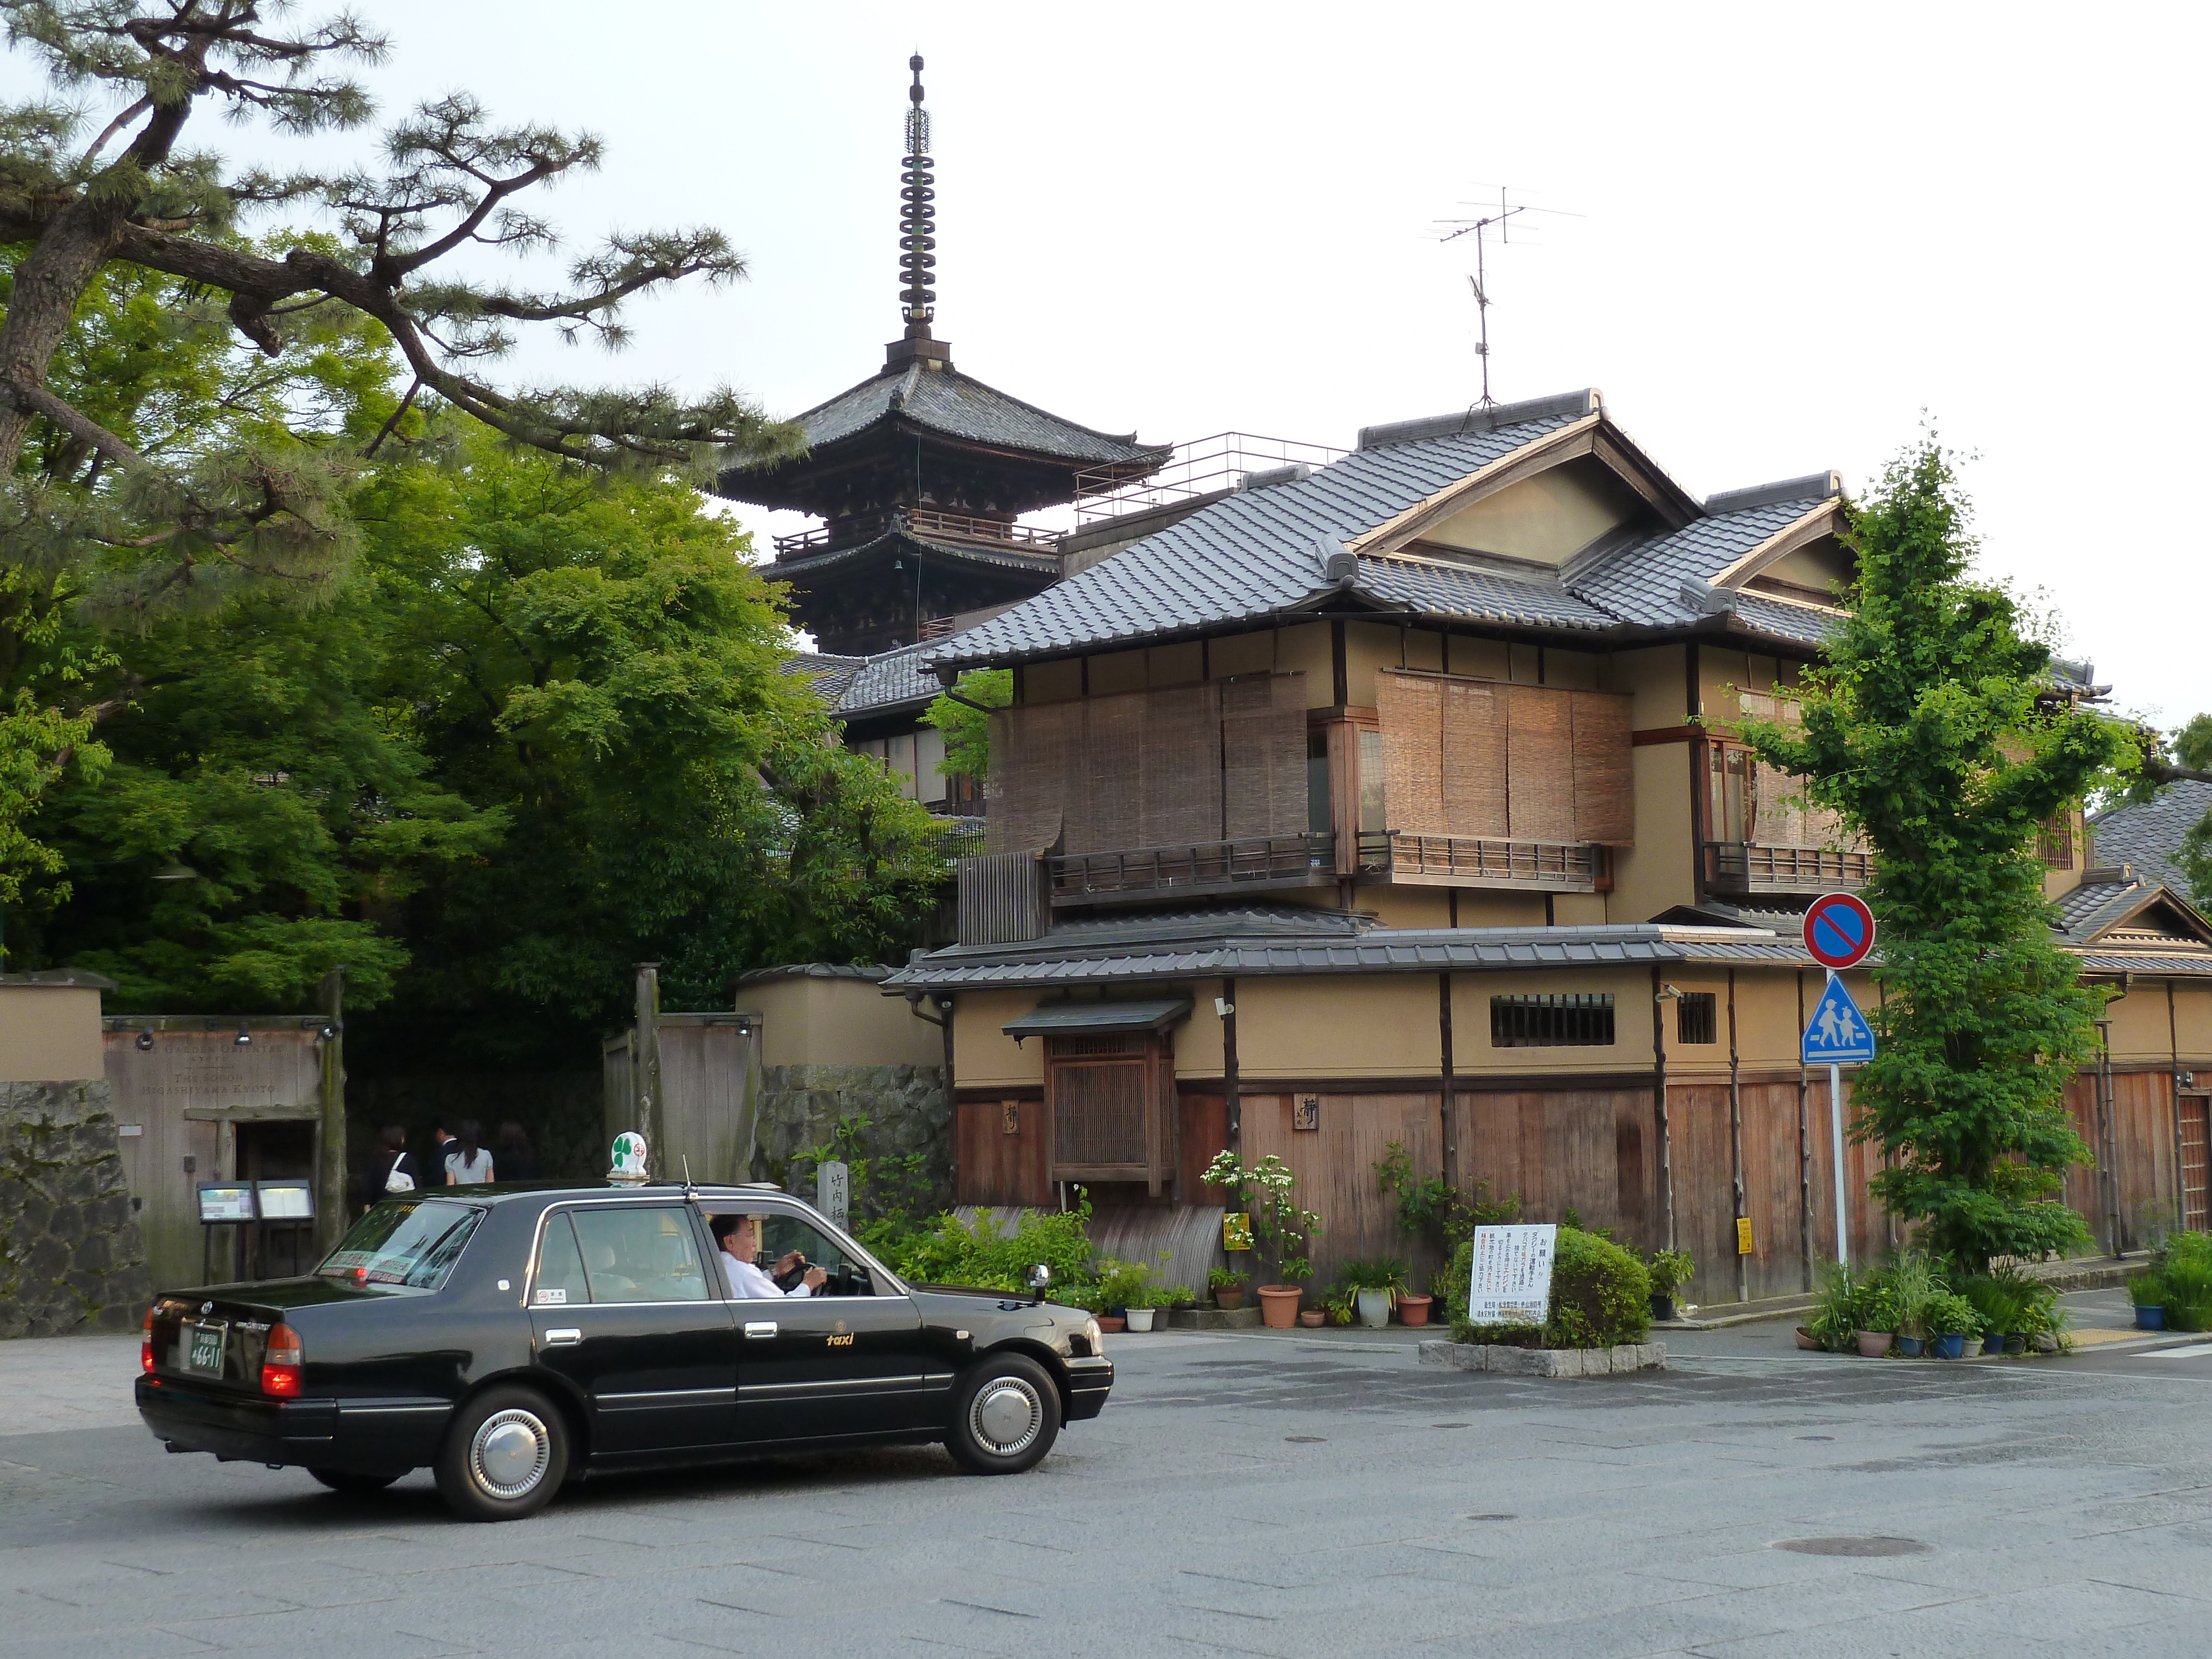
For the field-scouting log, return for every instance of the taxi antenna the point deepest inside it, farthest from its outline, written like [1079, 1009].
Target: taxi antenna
[690, 1193]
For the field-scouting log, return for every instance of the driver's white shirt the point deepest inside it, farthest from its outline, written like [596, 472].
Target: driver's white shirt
[749, 1284]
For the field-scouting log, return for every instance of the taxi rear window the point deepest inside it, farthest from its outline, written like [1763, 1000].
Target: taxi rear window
[409, 1243]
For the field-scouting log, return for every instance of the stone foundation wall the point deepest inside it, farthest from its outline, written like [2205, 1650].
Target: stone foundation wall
[800, 1106]
[69, 1254]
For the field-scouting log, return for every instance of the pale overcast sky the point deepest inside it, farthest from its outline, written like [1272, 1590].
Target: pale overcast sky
[1801, 226]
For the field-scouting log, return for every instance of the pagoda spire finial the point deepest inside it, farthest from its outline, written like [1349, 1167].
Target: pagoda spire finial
[917, 216]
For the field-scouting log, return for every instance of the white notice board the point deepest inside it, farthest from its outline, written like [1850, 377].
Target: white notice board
[1511, 1284]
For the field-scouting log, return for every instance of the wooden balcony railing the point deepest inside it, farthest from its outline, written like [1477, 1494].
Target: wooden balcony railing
[923, 521]
[1737, 867]
[1550, 866]
[1214, 866]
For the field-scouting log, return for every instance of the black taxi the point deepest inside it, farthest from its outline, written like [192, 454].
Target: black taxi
[513, 1338]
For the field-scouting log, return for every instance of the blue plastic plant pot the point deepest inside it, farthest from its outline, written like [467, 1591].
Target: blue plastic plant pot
[1913, 1347]
[2150, 1319]
[1950, 1348]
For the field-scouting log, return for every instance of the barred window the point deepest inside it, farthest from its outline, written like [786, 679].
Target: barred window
[1551, 1021]
[1696, 1018]
[2054, 842]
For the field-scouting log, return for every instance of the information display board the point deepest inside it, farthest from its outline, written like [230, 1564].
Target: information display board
[285, 1201]
[1511, 1284]
[225, 1201]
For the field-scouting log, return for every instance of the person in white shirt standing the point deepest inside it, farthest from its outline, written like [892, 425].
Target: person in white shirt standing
[740, 1237]
[468, 1163]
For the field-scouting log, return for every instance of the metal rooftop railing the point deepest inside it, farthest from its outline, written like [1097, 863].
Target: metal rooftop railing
[1205, 467]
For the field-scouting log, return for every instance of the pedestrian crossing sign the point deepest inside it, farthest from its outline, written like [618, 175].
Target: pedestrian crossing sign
[1837, 1033]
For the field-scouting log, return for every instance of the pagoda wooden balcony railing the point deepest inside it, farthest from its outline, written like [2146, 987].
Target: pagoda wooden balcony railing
[1252, 863]
[923, 522]
[1551, 867]
[1747, 867]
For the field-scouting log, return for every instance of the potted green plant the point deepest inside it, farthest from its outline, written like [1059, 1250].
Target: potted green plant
[1125, 1293]
[1874, 1314]
[1280, 1227]
[2146, 1292]
[1228, 1287]
[1372, 1287]
[1670, 1270]
[1950, 1320]
[1912, 1284]
[1833, 1324]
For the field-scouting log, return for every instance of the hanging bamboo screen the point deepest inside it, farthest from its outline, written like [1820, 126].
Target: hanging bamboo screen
[1782, 815]
[1480, 759]
[1098, 1117]
[1263, 756]
[1540, 764]
[1475, 797]
[1604, 803]
[1181, 766]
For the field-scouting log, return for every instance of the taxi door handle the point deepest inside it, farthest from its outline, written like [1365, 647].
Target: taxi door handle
[760, 1327]
[564, 1339]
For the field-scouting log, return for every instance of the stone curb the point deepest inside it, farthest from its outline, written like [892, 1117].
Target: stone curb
[1546, 1361]
[1212, 1319]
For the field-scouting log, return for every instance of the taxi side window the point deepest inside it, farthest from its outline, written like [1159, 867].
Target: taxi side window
[639, 1255]
[781, 1234]
[560, 1279]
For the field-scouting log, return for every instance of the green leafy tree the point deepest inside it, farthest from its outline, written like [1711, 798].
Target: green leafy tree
[600, 664]
[1931, 727]
[965, 721]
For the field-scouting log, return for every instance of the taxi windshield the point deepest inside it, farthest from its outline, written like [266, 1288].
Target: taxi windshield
[411, 1244]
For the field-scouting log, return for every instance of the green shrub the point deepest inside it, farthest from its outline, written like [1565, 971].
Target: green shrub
[2001, 1300]
[1601, 1296]
[1387, 1273]
[2187, 1277]
[2146, 1289]
[1670, 1270]
[979, 1256]
[1833, 1324]
[1945, 1315]
[1874, 1306]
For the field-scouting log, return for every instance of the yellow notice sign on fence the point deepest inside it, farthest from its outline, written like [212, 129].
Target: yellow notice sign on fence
[1743, 1234]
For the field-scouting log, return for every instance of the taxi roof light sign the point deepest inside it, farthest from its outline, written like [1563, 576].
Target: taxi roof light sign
[1839, 930]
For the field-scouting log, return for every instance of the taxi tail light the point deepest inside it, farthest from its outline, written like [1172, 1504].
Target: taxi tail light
[146, 1343]
[281, 1363]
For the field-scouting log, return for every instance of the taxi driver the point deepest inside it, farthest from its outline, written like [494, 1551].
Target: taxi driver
[740, 1237]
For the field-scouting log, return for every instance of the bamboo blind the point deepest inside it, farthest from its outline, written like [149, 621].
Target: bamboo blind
[1263, 756]
[1782, 815]
[1471, 758]
[1098, 1113]
[1179, 766]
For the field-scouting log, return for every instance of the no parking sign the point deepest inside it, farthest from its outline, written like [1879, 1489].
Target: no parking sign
[1839, 930]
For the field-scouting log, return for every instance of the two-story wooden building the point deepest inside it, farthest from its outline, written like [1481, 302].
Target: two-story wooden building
[1405, 799]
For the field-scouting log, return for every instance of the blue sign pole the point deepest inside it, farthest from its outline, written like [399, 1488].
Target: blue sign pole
[1836, 1121]
[1838, 1033]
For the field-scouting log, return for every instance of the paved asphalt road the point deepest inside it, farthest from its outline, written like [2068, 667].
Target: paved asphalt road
[1244, 1493]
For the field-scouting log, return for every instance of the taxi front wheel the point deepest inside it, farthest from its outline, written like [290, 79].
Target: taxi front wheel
[1005, 1415]
[505, 1453]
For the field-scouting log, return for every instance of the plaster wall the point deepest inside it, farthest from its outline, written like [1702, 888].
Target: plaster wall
[1374, 1025]
[983, 1055]
[1473, 1054]
[2139, 1029]
[1656, 872]
[1305, 650]
[1241, 654]
[1653, 679]
[2192, 1030]
[1367, 647]
[837, 1022]
[1547, 518]
[49, 1033]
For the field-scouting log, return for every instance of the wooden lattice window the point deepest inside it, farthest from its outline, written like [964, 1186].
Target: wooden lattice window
[2054, 842]
[1552, 1020]
[1109, 1108]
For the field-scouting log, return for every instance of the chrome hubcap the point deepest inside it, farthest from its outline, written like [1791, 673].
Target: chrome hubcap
[1007, 1415]
[509, 1453]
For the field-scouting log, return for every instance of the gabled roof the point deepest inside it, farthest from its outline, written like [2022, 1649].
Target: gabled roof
[889, 680]
[955, 406]
[2111, 911]
[1342, 539]
[2148, 835]
[897, 539]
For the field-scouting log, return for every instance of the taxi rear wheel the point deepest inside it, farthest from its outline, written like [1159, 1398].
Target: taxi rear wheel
[352, 1480]
[1005, 1415]
[505, 1453]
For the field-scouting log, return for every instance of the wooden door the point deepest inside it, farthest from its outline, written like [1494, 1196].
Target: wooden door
[2196, 1163]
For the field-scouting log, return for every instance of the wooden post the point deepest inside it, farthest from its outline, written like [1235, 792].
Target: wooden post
[951, 1096]
[331, 1203]
[1232, 1103]
[646, 1114]
[1451, 1090]
[1735, 1143]
[1666, 1193]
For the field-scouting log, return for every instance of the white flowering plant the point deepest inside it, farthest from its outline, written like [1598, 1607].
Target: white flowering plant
[1280, 1228]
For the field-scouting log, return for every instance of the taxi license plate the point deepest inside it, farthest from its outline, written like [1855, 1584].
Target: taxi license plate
[206, 1352]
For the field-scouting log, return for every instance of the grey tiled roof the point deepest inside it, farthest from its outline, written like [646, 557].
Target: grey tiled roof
[1260, 554]
[2095, 905]
[1254, 554]
[945, 401]
[2149, 834]
[887, 680]
[2102, 962]
[1009, 557]
[829, 673]
[875, 973]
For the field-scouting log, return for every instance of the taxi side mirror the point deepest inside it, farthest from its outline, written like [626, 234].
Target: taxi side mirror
[1040, 1276]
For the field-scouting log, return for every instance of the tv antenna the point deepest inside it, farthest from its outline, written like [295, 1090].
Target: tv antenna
[1500, 222]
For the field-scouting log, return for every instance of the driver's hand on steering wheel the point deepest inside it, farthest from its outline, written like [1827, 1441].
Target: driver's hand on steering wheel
[785, 1262]
[815, 1278]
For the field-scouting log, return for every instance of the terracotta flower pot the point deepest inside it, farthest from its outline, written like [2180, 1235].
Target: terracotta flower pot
[1414, 1309]
[1226, 1297]
[1278, 1305]
[1109, 1324]
[1807, 1339]
[1311, 1318]
[1873, 1345]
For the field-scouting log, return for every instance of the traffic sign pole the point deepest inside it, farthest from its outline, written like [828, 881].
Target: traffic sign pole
[1836, 1126]
[1839, 932]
